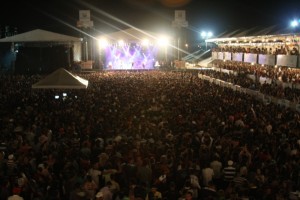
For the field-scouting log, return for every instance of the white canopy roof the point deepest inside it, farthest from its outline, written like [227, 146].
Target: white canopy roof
[61, 79]
[39, 35]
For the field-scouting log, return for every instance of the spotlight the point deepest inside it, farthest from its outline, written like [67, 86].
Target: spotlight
[294, 23]
[102, 43]
[163, 41]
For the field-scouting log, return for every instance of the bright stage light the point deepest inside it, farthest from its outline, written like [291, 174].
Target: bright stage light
[163, 41]
[102, 43]
[294, 23]
[203, 34]
[121, 43]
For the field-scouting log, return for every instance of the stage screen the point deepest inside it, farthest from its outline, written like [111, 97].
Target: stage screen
[130, 56]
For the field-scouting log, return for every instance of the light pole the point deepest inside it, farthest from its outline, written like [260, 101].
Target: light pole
[206, 35]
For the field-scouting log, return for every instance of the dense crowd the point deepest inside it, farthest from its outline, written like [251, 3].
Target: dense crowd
[277, 50]
[281, 82]
[144, 135]
[284, 74]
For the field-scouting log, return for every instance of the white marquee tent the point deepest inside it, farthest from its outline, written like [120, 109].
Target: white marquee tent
[61, 79]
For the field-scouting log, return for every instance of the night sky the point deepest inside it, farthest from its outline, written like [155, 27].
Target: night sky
[218, 16]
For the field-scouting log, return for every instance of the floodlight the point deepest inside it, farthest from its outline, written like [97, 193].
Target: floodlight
[203, 34]
[163, 41]
[294, 23]
[102, 43]
[209, 34]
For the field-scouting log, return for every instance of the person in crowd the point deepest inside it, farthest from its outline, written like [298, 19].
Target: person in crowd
[209, 192]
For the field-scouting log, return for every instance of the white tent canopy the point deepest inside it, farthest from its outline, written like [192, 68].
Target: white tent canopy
[39, 35]
[61, 79]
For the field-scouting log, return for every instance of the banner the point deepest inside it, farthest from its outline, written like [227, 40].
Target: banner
[215, 55]
[266, 59]
[180, 15]
[287, 60]
[220, 55]
[227, 55]
[84, 15]
[237, 57]
[250, 58]
[85, 19]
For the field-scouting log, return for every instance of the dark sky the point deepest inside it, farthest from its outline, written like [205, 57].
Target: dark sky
[215, 15]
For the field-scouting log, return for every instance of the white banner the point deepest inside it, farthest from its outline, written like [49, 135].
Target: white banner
[287, 60]
[215, 55]
[84, 15]
[266, 59]
[227, 55]
[180, 15]
[250, 58]
[220, 55]
[237, 57]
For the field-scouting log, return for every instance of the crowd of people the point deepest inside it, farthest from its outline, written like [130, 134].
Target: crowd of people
[280, 82]
[144, 135]
[277, 50]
